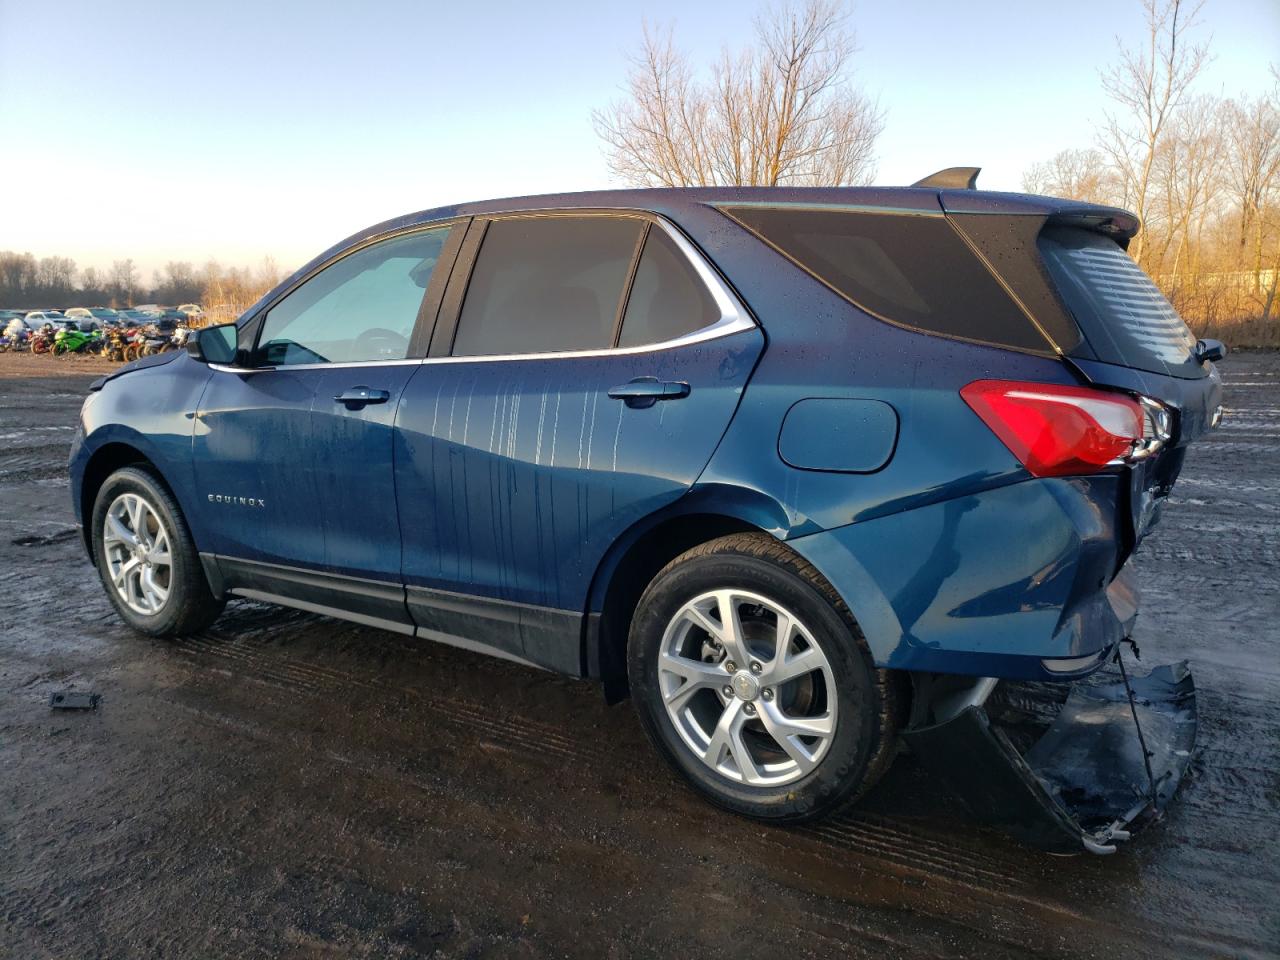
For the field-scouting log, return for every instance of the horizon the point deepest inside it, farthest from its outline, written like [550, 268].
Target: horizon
[314, 122]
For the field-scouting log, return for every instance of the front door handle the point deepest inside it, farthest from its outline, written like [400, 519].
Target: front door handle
[646, 391]
[355, 397]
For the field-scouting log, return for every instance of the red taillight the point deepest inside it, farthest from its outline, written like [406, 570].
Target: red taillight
[1056, 431]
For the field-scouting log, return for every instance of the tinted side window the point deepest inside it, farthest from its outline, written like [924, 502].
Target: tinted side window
[361, 308]
[910, 269]
[544, 284]
[667, 299]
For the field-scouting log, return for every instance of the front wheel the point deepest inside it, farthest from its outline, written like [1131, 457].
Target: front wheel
[146, 558]
[752, 679]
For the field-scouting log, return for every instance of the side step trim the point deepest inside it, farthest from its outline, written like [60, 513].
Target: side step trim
[524, 633]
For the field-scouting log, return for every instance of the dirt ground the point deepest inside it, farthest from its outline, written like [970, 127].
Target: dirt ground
[285, 785]
[27, 364]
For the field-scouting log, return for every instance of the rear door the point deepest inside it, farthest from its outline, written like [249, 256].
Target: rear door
[580, 378]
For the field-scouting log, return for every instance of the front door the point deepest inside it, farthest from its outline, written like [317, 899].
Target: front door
[253, 500]
[594, 368]
[296, 448]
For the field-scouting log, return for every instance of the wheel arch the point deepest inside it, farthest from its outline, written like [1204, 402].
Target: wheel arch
[707, 511]
[625, 572]
[102, 463]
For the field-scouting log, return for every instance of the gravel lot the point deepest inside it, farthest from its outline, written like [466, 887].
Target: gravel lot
[288, 785]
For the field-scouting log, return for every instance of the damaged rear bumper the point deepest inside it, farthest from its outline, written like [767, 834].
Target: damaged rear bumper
[1083, 782]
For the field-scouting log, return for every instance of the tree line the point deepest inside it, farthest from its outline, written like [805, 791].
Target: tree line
[1201, 170]
[55, 282]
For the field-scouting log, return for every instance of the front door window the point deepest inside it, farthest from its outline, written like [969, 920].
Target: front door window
[362, 308]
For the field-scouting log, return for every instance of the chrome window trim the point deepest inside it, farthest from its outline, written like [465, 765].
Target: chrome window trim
[734, 318]
[342, 365]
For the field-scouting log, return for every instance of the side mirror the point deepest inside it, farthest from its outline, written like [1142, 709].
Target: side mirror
[214, 344]
[1210, 351]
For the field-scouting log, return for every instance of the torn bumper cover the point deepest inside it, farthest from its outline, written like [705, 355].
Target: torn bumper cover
[1083, 783]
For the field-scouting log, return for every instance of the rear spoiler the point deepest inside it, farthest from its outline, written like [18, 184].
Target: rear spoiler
[1119, 225]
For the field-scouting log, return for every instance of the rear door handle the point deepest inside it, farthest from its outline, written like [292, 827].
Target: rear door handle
[646, 391]
[359, 396]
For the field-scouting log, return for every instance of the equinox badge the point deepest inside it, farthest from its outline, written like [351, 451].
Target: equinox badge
[238, 501]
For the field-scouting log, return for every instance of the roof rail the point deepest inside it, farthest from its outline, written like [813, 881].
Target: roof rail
[952, 178]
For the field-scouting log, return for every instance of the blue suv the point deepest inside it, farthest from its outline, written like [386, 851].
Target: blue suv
[806, 473]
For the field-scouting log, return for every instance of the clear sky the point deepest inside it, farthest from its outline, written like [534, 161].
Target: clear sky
[242, 128]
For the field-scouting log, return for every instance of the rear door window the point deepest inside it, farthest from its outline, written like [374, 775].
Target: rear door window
[547, 285]
[1123, 314]
[668, 299]
[910, 269]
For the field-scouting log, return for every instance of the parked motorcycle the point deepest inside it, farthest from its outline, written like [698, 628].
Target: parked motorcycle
[145, 341]
[153, 340]
[42, 339]
[74, 340]
[114, 343]
[15, 336]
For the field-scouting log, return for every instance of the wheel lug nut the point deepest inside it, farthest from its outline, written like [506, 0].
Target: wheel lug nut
[730, 666]
[755, 667]
[727, 691]
[749, 710]
[767, 694]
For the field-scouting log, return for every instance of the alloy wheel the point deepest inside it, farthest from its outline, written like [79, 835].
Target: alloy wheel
[138, 555]
[747, 687]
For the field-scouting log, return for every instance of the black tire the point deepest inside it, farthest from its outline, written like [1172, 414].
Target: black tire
[864, 740]
[190, 606]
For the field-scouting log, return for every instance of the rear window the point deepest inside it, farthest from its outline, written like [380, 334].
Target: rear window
[910, 269]
[1123, 314]
[545, 284]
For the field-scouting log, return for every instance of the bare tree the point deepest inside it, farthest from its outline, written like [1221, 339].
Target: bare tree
[1187, 179]
[123, 282]
[177, 283]
[269, 274]
[1074, 174]
[56, 278]
[1253, 134]
[17, 276]
[229, 292]
[1147, 85]
[783, 111]
[91, 283]
[1268, 284]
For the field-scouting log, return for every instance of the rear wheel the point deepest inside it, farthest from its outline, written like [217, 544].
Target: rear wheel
[752, 679]
[146, 558]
